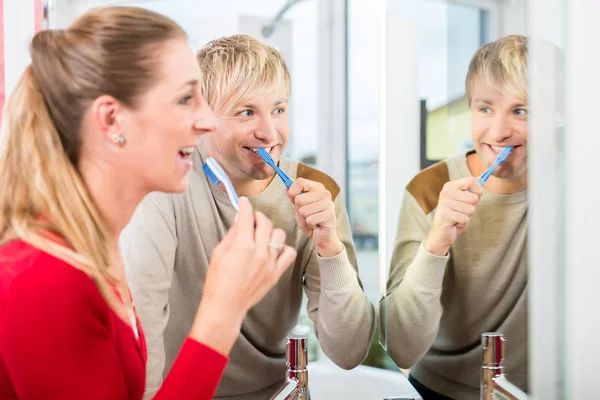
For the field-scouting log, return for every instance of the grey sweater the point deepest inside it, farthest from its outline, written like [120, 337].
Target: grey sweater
[437, 307]
[167, 247]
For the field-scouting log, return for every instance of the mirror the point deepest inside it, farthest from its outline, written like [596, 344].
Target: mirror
[454, 264]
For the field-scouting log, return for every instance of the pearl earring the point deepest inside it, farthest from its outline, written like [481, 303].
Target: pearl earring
[119, 140]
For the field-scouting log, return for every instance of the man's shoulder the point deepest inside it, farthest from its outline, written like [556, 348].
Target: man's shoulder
[312, 174]
[426, 186]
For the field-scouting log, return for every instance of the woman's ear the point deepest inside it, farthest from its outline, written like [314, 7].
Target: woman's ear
[105, 113]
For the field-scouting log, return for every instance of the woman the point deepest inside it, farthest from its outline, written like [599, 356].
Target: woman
[108, 111]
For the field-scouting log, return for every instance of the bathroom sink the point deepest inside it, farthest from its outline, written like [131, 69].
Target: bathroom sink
[327, 381]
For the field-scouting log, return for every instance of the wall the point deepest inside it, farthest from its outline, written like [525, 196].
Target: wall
[18, 30]
[583, 220]
[514, 17]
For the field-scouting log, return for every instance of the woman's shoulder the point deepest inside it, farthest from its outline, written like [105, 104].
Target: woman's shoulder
[40, 279]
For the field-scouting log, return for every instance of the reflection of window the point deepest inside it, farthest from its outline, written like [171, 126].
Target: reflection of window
[445, 54]
[363, 140]
[363, 152]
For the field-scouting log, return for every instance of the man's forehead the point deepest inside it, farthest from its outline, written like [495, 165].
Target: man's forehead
[264, 97]
[497, 92]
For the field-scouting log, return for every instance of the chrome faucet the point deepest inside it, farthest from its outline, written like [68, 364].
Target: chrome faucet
[296, 376]
[494, 384]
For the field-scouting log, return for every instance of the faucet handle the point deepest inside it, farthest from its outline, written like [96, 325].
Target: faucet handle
[296, 349]
[493, 349]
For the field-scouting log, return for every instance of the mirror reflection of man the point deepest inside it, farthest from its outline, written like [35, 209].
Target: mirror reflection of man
[459, 266]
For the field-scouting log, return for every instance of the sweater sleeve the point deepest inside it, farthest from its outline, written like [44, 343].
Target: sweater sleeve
[412, 309]
[148, 245]
[337, 304]
[196, 373]
[56, 339]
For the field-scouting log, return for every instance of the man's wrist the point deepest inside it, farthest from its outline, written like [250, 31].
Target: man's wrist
[331, 249]
[432, 247]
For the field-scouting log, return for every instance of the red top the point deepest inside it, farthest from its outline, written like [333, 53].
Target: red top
[60, 340]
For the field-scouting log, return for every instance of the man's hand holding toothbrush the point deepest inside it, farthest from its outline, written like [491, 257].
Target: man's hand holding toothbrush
[315, 215]
[456, 205]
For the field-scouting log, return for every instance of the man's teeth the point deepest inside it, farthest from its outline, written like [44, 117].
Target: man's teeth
[255, 149]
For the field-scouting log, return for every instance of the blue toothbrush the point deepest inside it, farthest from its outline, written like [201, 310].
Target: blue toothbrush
[499, 160]
[269, 160]
[215, 173]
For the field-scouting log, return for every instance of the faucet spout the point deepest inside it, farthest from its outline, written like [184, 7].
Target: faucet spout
[493, 381]
[287, 391]
[296, 376]
[507, 389]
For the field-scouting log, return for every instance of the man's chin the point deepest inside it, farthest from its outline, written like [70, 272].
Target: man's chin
[261, 174]
[509, 173]
[504, 174]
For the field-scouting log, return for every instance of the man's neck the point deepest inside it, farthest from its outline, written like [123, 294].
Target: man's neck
[494, 184]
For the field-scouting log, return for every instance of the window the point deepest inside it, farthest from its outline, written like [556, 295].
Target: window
[363, 138]
[451, 33]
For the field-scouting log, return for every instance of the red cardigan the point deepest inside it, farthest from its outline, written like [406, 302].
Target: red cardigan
[60, 340]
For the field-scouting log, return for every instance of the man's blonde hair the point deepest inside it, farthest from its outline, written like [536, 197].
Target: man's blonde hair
[501, 65]
[239, 67]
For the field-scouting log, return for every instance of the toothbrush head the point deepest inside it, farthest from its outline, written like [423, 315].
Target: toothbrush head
[211, 175]
[504, 154]
[265, 156]
[499, 160]
[217, 176]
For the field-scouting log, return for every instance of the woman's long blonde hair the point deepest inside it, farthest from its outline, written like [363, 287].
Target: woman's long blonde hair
[108, 51]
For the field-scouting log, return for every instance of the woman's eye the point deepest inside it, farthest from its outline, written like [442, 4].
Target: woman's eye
[186, 99]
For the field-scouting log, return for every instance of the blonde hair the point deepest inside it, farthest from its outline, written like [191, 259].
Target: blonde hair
[501, 65]
[238, 67]
[112, 51]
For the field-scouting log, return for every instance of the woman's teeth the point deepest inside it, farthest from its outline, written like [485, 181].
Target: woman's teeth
[498, 149]
[186, 152]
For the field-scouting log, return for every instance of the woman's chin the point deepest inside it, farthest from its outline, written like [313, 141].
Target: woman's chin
[179, 185]
[182, 186]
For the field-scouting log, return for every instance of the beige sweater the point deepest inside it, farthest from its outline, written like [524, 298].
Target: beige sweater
[438, 307]
[167, 248]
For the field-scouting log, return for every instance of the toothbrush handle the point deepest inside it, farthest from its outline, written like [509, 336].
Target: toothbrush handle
[286, 179]
[486, 175]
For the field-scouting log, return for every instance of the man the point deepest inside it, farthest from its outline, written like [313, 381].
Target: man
[459, 265]
[168, 244]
